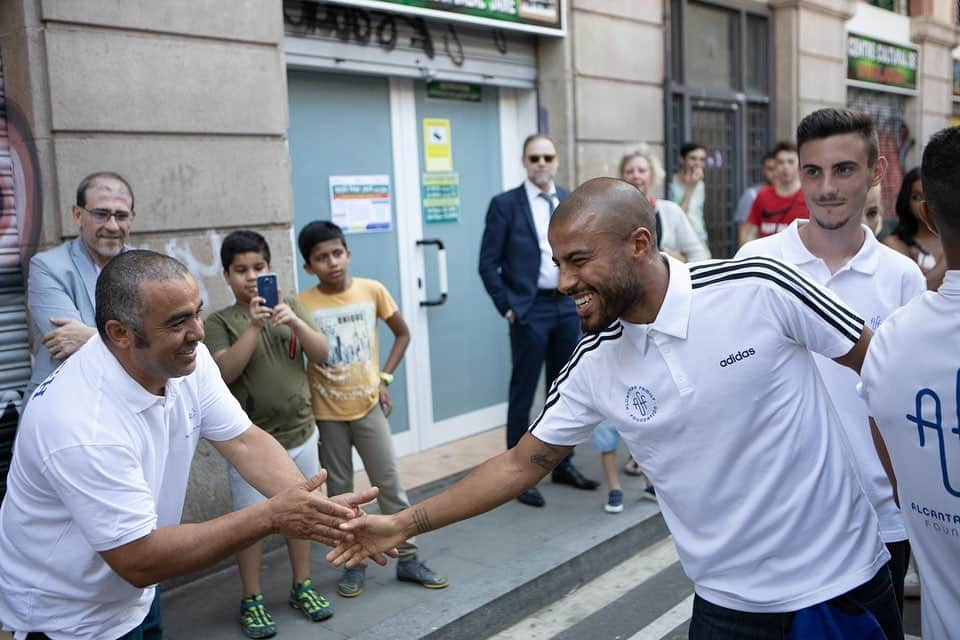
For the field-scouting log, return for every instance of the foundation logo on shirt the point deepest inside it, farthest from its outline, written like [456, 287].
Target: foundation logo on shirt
[924, 412]
[640, 404]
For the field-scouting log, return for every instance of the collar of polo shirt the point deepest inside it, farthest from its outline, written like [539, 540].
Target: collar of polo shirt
[866, 260]
[673, 317]
[951, 282]
[131, 392]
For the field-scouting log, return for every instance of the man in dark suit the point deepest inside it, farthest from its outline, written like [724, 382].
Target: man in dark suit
[516, 265]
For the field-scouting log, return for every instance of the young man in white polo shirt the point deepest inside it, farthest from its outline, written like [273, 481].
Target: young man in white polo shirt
[839, 163]
[91, 519]
[911, 382]
[706, 373]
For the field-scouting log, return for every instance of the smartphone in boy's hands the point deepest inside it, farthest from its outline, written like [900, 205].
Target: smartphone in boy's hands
[267, 289]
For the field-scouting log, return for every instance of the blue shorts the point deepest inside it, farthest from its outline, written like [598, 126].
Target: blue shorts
[605, 437]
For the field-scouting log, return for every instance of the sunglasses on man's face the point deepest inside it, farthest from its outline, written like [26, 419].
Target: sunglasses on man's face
[545, 157]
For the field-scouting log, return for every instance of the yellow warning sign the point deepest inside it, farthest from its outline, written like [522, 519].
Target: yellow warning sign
[437, 149]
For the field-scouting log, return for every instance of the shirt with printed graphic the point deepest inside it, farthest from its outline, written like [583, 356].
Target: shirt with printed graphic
[347, 385]
[911, 383]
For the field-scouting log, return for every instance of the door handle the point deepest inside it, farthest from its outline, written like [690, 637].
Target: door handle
[442, 266]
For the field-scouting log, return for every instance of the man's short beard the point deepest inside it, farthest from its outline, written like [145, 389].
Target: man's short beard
[622, 294]
[835, 225]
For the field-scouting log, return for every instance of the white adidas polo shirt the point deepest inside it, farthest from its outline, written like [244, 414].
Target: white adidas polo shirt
[720, 403]
[875, 282]
[911, 382]
[99, 462]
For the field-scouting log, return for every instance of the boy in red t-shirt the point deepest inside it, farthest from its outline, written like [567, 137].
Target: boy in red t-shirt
[782, 202]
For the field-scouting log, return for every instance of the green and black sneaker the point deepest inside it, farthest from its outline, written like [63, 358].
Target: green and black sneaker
[312, 604]
[255, 619]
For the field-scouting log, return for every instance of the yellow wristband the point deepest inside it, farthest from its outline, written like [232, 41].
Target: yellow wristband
[386, 377]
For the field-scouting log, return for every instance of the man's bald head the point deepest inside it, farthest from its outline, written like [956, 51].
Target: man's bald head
[603, 240]
[606, 205]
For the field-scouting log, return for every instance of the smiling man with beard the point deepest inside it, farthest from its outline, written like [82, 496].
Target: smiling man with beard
[61, 281]
[749, 460]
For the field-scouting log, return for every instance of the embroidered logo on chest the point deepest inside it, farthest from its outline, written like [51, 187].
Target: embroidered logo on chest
[640, 404]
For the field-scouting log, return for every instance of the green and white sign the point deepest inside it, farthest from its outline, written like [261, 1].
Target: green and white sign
[536, 16]
[883, 63]
[442, 90]
[441, 197]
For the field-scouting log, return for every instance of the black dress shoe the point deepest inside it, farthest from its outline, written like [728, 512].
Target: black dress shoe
[532, 497]
[569, 474]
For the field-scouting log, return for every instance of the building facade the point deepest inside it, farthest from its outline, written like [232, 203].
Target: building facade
[399, 120]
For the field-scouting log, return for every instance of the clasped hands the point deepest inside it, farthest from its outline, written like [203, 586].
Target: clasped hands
[303, 512]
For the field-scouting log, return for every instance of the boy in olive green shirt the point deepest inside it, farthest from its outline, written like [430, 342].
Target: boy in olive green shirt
[260, 354]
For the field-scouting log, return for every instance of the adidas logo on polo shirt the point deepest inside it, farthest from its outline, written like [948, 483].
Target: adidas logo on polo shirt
[734, 358]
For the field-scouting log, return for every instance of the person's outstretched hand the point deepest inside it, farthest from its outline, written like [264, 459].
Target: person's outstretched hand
[305, 513]
[371, 536]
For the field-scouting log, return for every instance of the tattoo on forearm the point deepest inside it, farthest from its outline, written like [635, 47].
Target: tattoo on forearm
[421, 521]
[544, 461]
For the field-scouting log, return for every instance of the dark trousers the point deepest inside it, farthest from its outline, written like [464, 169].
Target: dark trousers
[713, 622]
[548, 334]
[899, 561]
[150, 629]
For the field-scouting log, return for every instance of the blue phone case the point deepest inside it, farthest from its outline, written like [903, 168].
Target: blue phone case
[267, 289]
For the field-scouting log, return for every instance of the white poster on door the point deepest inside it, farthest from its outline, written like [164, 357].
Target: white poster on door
[360, 204]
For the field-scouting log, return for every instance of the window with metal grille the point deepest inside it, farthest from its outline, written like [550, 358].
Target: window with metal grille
[721, 67]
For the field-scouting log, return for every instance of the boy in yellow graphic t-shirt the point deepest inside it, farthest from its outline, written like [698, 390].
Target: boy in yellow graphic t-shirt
[349, 392]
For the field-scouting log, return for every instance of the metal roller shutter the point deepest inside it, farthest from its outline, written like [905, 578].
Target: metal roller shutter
[14, 335]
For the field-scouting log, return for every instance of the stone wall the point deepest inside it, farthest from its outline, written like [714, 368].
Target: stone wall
[602, 86]
[185, 98]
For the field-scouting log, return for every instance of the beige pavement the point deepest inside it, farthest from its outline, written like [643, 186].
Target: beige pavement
[426, 466]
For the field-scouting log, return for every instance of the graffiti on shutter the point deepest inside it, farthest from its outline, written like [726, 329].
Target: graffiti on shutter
[889, 113]
[19, 226]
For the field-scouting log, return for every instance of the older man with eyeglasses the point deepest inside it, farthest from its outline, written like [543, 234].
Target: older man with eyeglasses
[62, 280]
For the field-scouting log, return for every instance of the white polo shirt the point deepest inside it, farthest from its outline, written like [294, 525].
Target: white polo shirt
[911, 382]
[677, 233]
[875, 282]
[98, 462]
[721, 405]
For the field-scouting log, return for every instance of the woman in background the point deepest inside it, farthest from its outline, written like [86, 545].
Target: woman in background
[913, 238]
[675, 234]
